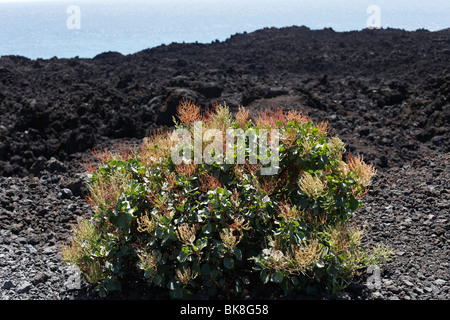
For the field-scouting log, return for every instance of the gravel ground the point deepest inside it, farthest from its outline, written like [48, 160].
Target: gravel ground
[407, 208]
[36, 214]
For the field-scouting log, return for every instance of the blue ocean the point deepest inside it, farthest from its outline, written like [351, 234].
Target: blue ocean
[85, 28]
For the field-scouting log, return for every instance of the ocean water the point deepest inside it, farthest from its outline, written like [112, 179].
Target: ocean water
[85, 28]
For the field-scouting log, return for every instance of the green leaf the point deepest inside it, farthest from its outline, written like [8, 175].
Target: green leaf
[338, 201]
[205, 269]
[320, 263]
[325, 160]
[342, 187]
[159, 233]
[299, 237]
[184, 254]
[237, 286]
[207, 229]
[112, 285]
[277, 277]
[123, 221]
[180, 207]
[173, 285]
[201, 243]
[295, 281]
[265, 276]
[215, 273]
[228, 262]
[157, 280]
[238, 253]
[102, 292]
[287, 286]
[353, 204]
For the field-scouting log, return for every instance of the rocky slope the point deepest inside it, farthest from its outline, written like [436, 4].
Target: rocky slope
[384, 92]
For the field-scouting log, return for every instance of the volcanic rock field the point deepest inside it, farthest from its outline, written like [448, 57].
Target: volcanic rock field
[385, 93]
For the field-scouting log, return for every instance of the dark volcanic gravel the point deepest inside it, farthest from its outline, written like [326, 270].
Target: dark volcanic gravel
[408, 208]
[384, 92]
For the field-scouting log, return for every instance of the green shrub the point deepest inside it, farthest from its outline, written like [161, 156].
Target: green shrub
[223, 226]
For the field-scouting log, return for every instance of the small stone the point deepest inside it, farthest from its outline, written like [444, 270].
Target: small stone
[407, 220]
[24, 287]
[387, 282]
[30, 249]
[377, 295]
[418, 290]
[34, 182]
[38, 166]
[65, 193]
[21, 240]
[421, 276]
[43, 181]
[27, 201]
[439, 282]
[39, 278]
[49, 250]
[16, 228]
[408, 283]
[54, 165]
[42, 212]
[53, 267]
[7, 285]
[392, 288]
